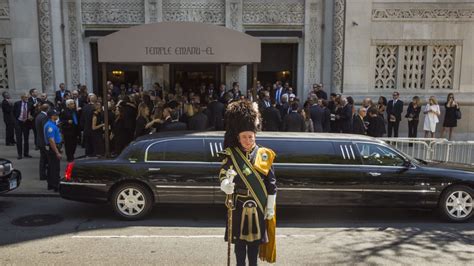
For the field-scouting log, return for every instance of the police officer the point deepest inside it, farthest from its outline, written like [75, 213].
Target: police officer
[53, 141]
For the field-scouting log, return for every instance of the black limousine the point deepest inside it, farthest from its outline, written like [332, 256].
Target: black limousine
[10, 178]
[312, 169]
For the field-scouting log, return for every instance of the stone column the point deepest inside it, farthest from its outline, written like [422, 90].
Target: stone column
[233, 20]
[312, 45]
[73, 32]
[338, 45]
[46, 46]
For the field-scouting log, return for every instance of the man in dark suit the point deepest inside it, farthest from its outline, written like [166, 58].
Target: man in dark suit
[221, 94]
[294, 121]
[319, 91]
[271, 118]
[9, 119]
[317, 114]
[278, 93]
[172, 121]
[59, 98]
[345, 117]
[358, 125]
[23, 124]
[376, 126]
[394, 114]
[199, 120]
[216, 110]
[40, 121]
[70, 128]
[34, 101]
[86, 125]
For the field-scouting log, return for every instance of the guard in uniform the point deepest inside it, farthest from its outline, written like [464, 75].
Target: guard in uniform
[53, 141]
[248, 179]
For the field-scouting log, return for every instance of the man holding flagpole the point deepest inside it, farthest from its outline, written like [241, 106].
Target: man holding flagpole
[248, 179]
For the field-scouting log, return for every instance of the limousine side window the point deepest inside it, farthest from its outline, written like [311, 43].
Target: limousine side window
[177, 150]
[374, 154]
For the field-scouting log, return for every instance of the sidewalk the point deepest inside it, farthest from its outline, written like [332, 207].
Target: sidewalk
[31, 185]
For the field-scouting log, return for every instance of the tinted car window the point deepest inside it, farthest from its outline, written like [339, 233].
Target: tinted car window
[304, 151]
[156, 152]
[374, 154]
[185, 150]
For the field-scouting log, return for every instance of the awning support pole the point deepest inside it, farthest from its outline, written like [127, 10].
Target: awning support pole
[106, 109]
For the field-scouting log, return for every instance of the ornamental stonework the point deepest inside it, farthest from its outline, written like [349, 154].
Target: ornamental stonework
[339, 20]
[386, 67]
[212, 12]
[45, 41]
[73, 43]
[442, 70]
[414, 64]
[3, 67]
[4, 9]
[273, 12]
[113, 12]
[423, 11]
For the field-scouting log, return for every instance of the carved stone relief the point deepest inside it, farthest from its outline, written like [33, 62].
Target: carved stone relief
[46, 47]
[290, 12]
[386, 67]
[414, 61]
[113, 12]
[442, 70]
[423, 11]
[73, 43]
[4, 9]
[197, 11]
[3, 67]
[338, 44]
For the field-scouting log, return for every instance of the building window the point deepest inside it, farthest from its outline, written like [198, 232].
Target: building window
[414, 67]
[3, 67]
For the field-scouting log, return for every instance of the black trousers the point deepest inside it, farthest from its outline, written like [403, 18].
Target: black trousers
[53, 169]
[43, 163]
[413, 128]
[70, 144]
[35, 133]
[244, 249]
[22, 130]
[9, 133]
[393, 126]
[89, 145]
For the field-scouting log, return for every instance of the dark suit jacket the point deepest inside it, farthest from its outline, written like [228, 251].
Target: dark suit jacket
[198, 121]
[376, 126]
[86, 119]
[271, 119]
[358, 126]
[216, 115]
[34, 109]
[346, 119]
[17, 109]
[327, 120]
[7, 110]
[395, 110]
[66, 128]
[58, 97]
[322, 95]
[40, 121]
[294, 122]
[318, 116]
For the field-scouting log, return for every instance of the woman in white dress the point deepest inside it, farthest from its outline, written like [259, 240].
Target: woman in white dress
[431, 112]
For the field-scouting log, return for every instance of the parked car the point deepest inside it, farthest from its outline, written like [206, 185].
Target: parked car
[10, 178]
[311, 169]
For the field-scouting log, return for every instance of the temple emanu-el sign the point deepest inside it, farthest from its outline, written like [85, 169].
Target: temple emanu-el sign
[179, 42]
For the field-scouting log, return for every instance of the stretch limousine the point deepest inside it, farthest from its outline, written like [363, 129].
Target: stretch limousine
[311, 169]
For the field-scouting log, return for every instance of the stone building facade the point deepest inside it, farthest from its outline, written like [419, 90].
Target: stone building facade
[355, 47]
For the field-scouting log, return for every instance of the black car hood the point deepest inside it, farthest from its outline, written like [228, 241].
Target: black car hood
[450, 166]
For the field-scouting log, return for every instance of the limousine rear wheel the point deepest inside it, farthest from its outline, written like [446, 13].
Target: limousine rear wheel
[457, 203]
[132, 201]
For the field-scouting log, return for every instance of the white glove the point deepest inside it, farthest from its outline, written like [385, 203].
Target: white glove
[270, 210]
[227, 186]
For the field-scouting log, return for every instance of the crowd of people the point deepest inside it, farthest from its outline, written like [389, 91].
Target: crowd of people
[134, 112]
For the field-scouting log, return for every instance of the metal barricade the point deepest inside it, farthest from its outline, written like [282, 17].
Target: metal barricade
[433, 149]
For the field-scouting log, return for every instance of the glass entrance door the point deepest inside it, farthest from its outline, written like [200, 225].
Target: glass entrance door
[191, 76]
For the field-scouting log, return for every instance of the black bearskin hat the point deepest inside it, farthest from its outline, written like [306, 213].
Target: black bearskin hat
[240, 116]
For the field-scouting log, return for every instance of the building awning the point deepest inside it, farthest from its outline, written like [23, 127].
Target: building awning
[178, 42]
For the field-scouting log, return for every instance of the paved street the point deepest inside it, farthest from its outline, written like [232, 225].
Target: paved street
[192, 235]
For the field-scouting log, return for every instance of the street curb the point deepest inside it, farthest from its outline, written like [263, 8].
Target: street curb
[30, 195]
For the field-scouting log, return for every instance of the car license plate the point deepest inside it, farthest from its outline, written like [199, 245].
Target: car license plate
[13, 183]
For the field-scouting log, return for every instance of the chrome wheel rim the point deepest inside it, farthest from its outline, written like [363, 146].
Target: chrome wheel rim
[131, 201]
[459, 204]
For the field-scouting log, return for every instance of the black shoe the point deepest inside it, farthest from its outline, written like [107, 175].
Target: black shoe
[19, 157]
[27, 156]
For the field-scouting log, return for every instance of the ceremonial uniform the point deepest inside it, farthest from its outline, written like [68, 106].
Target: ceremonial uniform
[51, 131]
[248, 179]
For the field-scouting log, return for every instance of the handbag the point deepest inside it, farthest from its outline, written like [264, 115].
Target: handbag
[458, 114]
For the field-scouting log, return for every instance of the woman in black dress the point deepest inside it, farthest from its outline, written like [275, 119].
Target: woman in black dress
[413, 116]
[142, 120]
[98, 129]
[450, 119]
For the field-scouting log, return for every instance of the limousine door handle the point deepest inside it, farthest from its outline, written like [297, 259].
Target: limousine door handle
[374, 174]
[154, 169]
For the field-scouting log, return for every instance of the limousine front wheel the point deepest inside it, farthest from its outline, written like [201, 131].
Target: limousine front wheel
[457, 203]
[131, 201]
